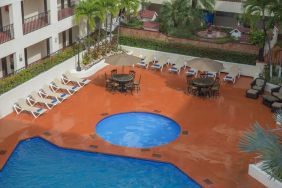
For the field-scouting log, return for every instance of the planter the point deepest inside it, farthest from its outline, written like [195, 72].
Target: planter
[257, 173]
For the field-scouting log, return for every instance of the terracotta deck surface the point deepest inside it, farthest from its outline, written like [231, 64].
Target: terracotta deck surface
[209, 151]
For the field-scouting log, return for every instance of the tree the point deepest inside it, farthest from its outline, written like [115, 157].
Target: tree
[100, 14]
[85, 10]
[203, 4]
[175, 14]
[126, 6]
[267, 145]
[269, 12]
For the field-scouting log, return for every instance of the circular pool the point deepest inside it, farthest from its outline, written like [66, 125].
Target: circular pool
[138, 129]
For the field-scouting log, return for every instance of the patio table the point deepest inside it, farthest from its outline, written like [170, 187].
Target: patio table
[122, 80]
[203, 83]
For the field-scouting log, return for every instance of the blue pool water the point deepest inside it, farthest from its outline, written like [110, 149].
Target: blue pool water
[37, 163]
[138, 129]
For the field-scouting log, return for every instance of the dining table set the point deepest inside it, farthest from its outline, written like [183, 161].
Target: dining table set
[122, 82]
[203, 86]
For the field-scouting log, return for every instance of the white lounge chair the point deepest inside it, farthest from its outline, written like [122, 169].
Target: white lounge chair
[47, 92]
[21, 106]
[142, 62]
[233, 75]
[57, 84]
[177, 65]
[160, 63]
[69, 77]
[212, 74]
[34, 98]
[192, 72]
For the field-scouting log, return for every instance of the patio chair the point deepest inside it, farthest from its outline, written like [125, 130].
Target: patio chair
[137, 84]
[192, 72]
[130, 87]
[233, 74]
[69, 77]
[258, 84]
[34, 98]
[57, 84]
[47, 92]
[277, 92]
[113, 72]
[132, 72]
[21, 106]
[142, 62]
[215, 88]
[191, 89]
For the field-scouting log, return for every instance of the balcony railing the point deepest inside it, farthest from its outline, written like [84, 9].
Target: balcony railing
[36, 22]
[66, 12]
[6, 33]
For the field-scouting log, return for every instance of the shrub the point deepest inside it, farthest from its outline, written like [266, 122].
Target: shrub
[217, 54]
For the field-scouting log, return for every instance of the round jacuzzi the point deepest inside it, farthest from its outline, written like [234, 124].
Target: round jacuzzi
[138, 129]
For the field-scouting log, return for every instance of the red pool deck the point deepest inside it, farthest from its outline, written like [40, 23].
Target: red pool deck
[208, 153]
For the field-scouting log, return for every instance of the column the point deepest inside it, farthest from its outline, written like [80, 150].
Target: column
[16, 19]
[19, 60]
[52, 6]
[54, 43]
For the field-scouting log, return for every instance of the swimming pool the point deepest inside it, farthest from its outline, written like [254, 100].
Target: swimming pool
[37, 163]
[138, 129]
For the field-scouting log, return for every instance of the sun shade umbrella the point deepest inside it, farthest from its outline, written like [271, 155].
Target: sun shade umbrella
[122, 60]
[205, 64]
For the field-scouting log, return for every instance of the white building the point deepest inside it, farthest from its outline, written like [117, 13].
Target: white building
[33, 29]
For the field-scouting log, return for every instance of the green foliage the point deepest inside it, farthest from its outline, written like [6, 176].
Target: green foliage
[174, 14]
[184, 49]
[11, 82]
[257, 38]
[268, 145]
[135, 23]
[275, 79]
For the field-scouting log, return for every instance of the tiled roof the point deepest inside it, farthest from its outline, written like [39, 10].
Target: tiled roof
[149, 14]
[152, 25]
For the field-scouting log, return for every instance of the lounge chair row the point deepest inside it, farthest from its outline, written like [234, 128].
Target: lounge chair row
[179, 63]
[49, 95]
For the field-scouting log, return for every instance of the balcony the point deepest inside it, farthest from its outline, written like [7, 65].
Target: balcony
[6, 33]
[66, 12]
[36, 22]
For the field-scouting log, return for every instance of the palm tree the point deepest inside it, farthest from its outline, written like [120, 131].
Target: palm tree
[85, 10]
[175, 14]
[128, 6]
[269, 12]
[99, 13]
[268, 145]
[203, 4]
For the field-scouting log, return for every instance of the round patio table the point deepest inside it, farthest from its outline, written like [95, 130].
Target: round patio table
[122, 79]
[203, 83]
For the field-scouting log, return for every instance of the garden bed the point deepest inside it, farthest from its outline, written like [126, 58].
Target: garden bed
[218, 54]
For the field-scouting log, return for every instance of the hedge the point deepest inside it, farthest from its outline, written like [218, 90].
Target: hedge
[11, 82]
[218, 54]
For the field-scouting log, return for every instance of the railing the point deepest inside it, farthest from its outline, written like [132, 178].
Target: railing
[6, 33]
[66, 12]
[36, 22]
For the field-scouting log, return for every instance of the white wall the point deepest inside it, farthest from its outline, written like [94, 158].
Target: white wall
[36, 52]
